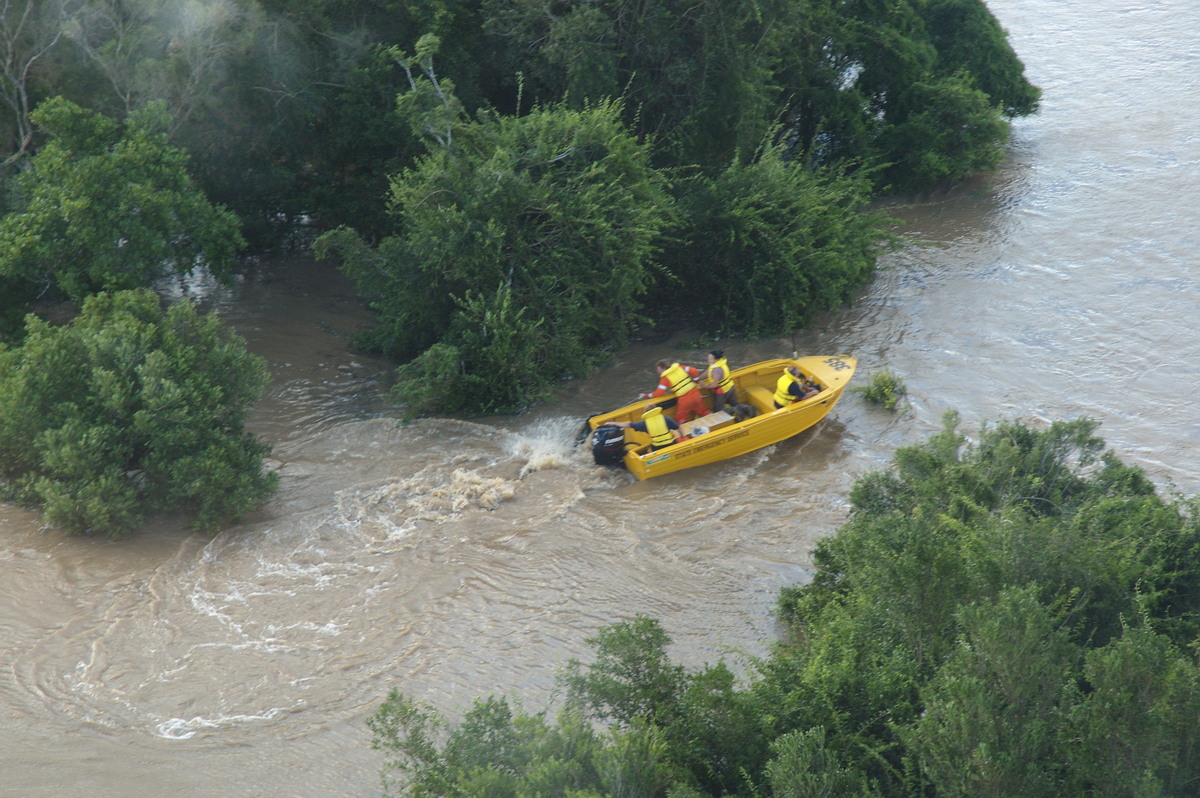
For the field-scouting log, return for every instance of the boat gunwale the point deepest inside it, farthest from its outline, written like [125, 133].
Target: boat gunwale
[833, 378]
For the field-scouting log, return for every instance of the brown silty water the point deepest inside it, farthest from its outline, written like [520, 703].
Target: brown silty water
[455, 558]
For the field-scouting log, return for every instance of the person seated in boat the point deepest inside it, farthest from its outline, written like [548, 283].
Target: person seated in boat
[717, 378]
[663, 430]
[681, 382]
[793, 387]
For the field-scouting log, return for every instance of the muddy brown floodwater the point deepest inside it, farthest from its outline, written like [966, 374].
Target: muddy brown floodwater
[455, 558]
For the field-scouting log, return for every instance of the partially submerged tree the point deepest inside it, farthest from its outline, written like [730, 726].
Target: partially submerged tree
[709, 79]
[285, 107]
[110, 206]
[129, 410]
[766, 243]
[525, 248]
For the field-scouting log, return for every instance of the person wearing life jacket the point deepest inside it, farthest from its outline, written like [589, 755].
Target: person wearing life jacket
[717, 378]
[663, 430]
[680, 382]
[792, 387]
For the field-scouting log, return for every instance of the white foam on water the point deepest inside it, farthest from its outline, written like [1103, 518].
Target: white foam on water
[185, 729]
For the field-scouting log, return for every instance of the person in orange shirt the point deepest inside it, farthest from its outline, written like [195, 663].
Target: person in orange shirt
[681, 383]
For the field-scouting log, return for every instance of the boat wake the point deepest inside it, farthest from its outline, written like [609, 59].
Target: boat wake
[488, 468]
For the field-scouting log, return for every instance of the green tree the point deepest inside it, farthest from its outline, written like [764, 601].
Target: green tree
[632, 679]
[990, 714]
[968, 38]
[709, 80]
[804, 768]
[244, 92]
[1133, 731]
[128, 410]
[937, 82]
[949, 130]
[699, 78]
[1047, 513]
[110, 206]
[672, 734]
[525, 247]
[285, 106]
[767, 243]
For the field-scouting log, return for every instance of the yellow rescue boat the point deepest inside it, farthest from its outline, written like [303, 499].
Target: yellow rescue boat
[719, 436]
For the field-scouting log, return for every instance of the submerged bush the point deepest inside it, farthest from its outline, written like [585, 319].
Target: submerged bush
[129, 410]
[767, 243]
[885, 388]
[525, 252]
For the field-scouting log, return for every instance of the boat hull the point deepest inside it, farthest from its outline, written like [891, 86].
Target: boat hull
[720, 437]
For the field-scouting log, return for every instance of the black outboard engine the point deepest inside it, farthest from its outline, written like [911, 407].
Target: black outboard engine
[608, 445]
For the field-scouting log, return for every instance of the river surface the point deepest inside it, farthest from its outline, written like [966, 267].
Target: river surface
[452, 559]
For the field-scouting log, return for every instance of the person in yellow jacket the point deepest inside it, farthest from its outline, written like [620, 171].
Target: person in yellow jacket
[680, 382]
[793, 387]
[718, 380]
[663, 430]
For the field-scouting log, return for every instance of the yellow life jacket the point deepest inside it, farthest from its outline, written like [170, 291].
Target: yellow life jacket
[726, 382]
[679, 380]
[656, 428]
[782, 397]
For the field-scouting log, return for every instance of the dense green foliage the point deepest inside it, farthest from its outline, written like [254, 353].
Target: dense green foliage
[285, 105]
[526, 242]
[129, 410]
[764, 245]
[713, 158]
[1012, 617]
[110, 207]
[523, 252]
[933, 608]
[710, 80]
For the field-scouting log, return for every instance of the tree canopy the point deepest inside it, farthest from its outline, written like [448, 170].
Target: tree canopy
[526, 243]
[764, 245]
[285, 105]
[1010, 617]
[130, 410]
[108, 206]
[695, 140]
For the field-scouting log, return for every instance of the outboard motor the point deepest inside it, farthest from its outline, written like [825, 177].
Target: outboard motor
[608, 445]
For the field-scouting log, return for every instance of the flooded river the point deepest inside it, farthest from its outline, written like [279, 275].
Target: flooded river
[453, 559]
